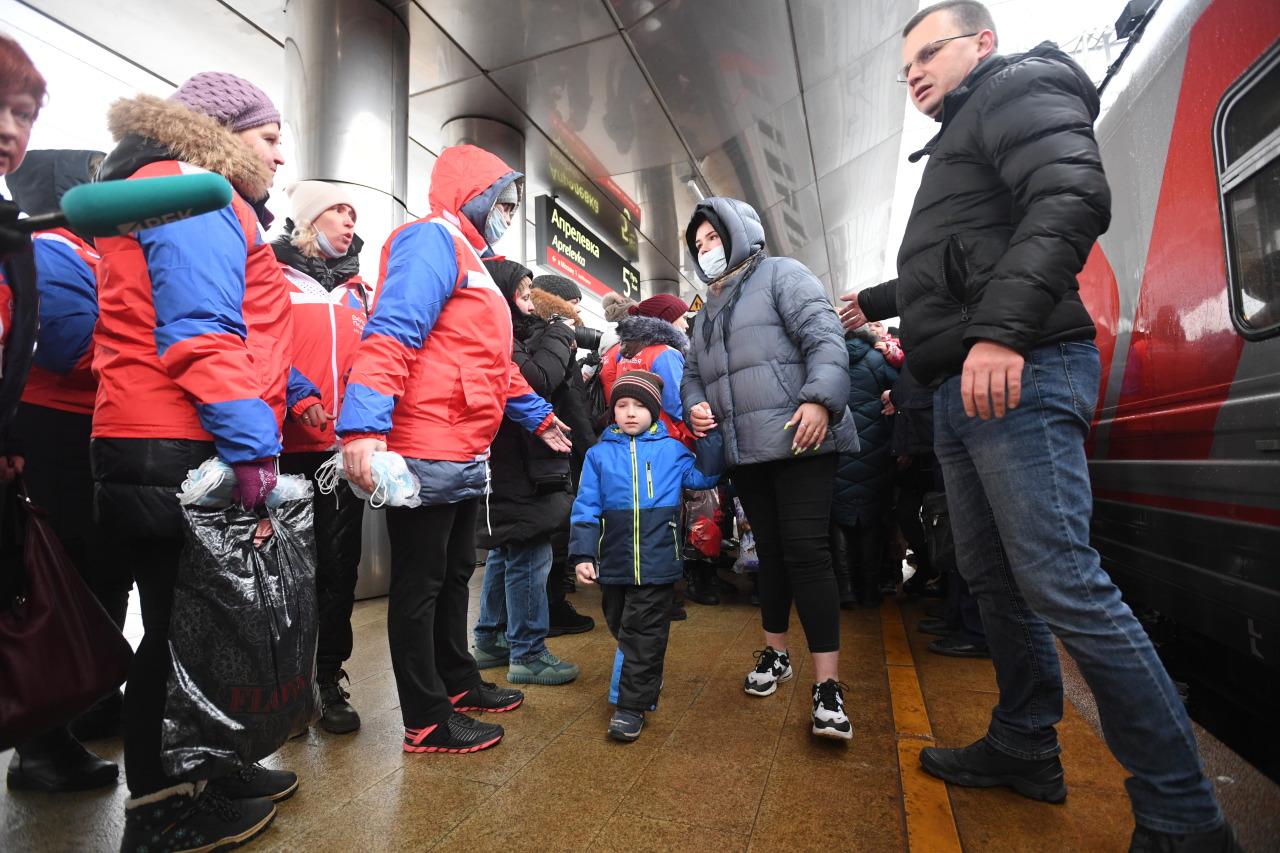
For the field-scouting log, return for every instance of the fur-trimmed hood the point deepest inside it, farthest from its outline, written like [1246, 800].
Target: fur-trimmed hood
[546, 304]
[635, 333]
[188, 136]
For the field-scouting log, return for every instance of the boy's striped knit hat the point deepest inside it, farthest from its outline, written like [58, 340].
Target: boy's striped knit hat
[639, 385]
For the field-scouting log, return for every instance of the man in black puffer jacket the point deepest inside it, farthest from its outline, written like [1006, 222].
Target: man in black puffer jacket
[1009, 206]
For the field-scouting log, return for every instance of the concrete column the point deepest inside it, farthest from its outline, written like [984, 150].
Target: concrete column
[347, 107]
[507, 143]
[347, 115]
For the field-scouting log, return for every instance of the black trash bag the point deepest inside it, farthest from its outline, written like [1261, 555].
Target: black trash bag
[937, 532]
[242, 640]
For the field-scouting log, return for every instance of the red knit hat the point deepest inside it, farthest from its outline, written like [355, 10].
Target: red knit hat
[664, 306]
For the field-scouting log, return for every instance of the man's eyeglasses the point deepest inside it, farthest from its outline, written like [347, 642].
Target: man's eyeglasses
[927, 53]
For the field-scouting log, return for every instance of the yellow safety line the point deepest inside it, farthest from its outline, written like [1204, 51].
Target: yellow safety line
[931, 825]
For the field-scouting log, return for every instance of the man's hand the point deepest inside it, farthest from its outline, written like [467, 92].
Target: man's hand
[357, 458]
[991, 383]
[554, 436]
[886, 403]
[851, 314]
[701, 419]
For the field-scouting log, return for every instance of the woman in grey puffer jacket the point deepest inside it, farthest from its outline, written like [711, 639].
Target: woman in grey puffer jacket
[767, 362]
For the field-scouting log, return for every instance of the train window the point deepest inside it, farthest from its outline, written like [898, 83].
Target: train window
[1247, 146]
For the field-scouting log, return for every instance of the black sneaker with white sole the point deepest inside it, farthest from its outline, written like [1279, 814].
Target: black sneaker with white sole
[254, 782]
[772, 668]
[829, 719]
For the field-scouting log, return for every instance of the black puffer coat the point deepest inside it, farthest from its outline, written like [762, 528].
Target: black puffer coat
[863, 491]
[1010, 205]
[328, 272]
[529, 482]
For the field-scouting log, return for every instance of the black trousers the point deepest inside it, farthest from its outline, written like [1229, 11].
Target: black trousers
[55, 445]
[339, 518]
[639, 619]
[433, 555]
[788, 503]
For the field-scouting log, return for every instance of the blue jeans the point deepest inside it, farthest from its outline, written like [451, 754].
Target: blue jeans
[1022, 481]
[514, 593]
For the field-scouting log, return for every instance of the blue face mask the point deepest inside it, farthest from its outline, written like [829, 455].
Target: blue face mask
[494, 227]
[713, 262]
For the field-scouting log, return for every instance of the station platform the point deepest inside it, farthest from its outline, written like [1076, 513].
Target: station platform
[714, 769]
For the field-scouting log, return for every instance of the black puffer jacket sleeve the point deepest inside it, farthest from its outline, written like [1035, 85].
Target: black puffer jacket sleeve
[545, 357]
[879, 302]
[1037, 130]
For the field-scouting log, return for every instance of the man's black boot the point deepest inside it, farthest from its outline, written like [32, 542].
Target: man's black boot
[981, 765]
[336, 714]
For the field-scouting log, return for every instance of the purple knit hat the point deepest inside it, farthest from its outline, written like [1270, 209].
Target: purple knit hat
[231, 100]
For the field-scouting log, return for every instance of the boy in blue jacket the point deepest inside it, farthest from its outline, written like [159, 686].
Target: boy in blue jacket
[625, 534]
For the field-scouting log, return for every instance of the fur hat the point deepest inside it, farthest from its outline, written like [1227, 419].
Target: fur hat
[559, 285]
[546, 305]
[233, 101]
[309, 199]
[639, 385]
[615, 306]
[664, 306]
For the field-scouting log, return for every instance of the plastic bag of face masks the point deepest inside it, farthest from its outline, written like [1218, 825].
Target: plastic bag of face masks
[394, 483]
[210, 485]
[242, 639]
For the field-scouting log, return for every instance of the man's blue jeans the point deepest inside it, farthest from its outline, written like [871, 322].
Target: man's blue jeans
[1022, 481]
[514, 593]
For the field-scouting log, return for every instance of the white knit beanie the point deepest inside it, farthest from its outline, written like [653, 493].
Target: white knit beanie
[309, 199]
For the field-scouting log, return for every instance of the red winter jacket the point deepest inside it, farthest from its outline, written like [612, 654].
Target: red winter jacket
[434, 373]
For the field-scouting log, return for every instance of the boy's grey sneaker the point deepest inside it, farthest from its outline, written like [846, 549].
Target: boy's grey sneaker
[981, 765]
[626, 725]
[494, 651]
[547, 669]
[772, 668]
[829, 719]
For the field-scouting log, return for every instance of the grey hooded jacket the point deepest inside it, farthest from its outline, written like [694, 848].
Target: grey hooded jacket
[767, 342]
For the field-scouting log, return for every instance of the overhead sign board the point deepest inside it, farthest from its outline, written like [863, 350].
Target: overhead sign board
[567, 246]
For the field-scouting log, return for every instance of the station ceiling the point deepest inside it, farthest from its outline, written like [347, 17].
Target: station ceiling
[789, 105]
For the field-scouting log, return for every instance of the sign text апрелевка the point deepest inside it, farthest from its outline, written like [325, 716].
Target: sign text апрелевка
[565, 245]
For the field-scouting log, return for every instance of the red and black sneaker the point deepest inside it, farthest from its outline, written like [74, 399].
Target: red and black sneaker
[487, 697]
[459, 733]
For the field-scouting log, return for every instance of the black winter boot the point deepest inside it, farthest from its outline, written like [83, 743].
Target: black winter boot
[698, 587]
[55, 762]
[188, 817]
[104, 719]
[336, 714]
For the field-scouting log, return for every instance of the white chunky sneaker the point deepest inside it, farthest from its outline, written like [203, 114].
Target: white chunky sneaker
[772, 668]
[829, 719]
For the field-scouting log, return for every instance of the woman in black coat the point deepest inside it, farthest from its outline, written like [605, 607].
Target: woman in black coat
[529, 499]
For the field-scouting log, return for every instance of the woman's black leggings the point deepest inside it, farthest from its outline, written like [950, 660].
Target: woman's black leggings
[788, 504]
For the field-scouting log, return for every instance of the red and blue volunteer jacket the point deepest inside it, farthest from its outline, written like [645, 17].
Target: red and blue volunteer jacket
[60, 376]
[434, 372]
[195, 333]
[327, 326]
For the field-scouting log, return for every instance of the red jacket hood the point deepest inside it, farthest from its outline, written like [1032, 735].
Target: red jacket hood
[461, 174]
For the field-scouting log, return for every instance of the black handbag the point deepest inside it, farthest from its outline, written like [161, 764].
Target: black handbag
[59, 650]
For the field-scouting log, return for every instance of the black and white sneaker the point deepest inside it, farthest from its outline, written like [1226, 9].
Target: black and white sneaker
[829, 719]
[772, 668]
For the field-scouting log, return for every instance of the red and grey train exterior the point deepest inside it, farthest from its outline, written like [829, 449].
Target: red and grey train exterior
[1185, 290]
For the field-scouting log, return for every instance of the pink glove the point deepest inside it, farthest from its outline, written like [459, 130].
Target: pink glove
[254, 480]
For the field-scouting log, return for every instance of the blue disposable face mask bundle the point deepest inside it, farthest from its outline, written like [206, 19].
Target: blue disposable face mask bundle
[394, 483]
[212, 483]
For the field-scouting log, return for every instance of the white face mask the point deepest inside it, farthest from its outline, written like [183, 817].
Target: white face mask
[713, 262]
[326, 248]
[495, 226]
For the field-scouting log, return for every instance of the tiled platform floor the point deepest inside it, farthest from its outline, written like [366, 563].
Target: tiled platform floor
[715, 769]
